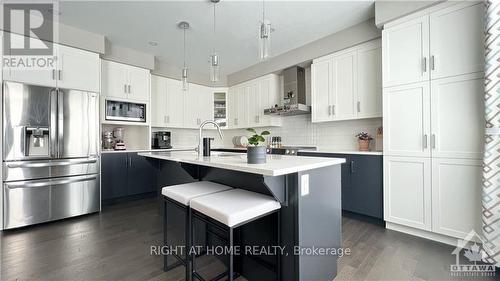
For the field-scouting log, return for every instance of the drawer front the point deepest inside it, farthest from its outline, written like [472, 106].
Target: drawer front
[27, 170]
[31, 202]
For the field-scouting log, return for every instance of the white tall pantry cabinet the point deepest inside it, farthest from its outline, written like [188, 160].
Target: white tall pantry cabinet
[433, 120]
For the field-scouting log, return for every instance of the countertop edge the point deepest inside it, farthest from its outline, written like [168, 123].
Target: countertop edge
[253, 170]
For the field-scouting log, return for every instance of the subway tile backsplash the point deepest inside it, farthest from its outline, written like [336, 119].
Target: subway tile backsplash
[295, 130]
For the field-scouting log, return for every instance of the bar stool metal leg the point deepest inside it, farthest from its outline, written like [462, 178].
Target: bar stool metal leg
[189, 243]
[278, 257]
[231, 246]
[165, 260]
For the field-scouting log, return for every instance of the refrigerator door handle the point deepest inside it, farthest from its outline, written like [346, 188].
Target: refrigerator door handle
[60, 122]
[53, 123]
[36, 183]
[41, 164]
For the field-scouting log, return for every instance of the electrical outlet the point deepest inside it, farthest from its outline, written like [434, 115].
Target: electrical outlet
[304, 185]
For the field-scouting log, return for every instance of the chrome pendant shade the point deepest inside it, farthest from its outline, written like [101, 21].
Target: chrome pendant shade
[214, 58]
[264, 36]
[184, 75]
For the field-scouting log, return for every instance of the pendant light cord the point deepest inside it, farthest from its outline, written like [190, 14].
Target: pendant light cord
[214, 28]
[263, 11]
[184, 47]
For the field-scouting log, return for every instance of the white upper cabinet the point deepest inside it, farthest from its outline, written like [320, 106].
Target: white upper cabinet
[406, 52]
[198, 105]
[69, 68]
[78, 69]
[456, 40]
[124, 81]
[158, 101]
[138, 83]
[407, 191]
[247, 102]
[369, 80]
[457, 116]
[345, 86]
[174, 114]
[407, 120]
[114, 80]
[456, 196]
[445, 43]
[174, 108]
[348, 84]
[321, 91]
[45, 76]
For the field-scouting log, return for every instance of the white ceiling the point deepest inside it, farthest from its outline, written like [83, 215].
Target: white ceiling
[135, 23]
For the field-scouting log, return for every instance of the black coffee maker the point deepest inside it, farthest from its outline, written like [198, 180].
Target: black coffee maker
[161, 140]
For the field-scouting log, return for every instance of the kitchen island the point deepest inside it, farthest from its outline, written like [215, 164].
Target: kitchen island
[309, 190]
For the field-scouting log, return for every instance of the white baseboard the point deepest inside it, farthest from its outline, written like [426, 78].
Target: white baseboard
[422, 233]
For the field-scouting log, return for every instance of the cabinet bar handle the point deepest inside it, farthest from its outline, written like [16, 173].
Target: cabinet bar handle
[59, 73]
[333, 109]
[329, 110]
[425, 141]
[424, 64]
[129, 89]
[359, 106]
[124, 88]
[352, 167]
[53, 74]
[168, 118]
[433, 141]
[432, 62]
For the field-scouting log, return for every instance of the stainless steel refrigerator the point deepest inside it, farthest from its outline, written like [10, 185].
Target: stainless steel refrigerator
[50, 154]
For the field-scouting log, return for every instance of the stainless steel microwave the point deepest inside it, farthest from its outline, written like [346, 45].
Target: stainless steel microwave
[125, 111]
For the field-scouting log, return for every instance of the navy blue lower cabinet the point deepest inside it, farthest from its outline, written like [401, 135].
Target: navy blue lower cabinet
[113, 175]
[362, 183]
[366, 185]
[125, 174]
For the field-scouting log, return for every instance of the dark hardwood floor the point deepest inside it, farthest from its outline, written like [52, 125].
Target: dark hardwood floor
[115, 245]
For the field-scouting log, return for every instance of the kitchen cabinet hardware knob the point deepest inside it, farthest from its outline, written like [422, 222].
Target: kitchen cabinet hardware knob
[424, 64]
[425, 141]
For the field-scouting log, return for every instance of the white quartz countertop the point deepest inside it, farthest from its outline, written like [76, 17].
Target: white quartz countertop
[276, 165]
[147, 150]
[320, 150]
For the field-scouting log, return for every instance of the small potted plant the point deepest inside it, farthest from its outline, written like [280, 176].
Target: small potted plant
[256, 152]
[364, 141]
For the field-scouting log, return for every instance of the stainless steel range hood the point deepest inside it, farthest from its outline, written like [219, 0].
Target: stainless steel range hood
[294, 102]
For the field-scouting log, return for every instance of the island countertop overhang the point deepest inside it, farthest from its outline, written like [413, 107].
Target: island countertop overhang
[277, 165]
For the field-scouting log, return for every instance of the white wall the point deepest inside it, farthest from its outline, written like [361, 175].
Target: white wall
[343, 39]
[388, 10]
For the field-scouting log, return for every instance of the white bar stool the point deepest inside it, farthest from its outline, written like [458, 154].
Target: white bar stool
[234, 208]
[180, 196]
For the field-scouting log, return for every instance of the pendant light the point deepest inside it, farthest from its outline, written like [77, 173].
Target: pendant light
[184, 75]
[214, 58]
[264, 35]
